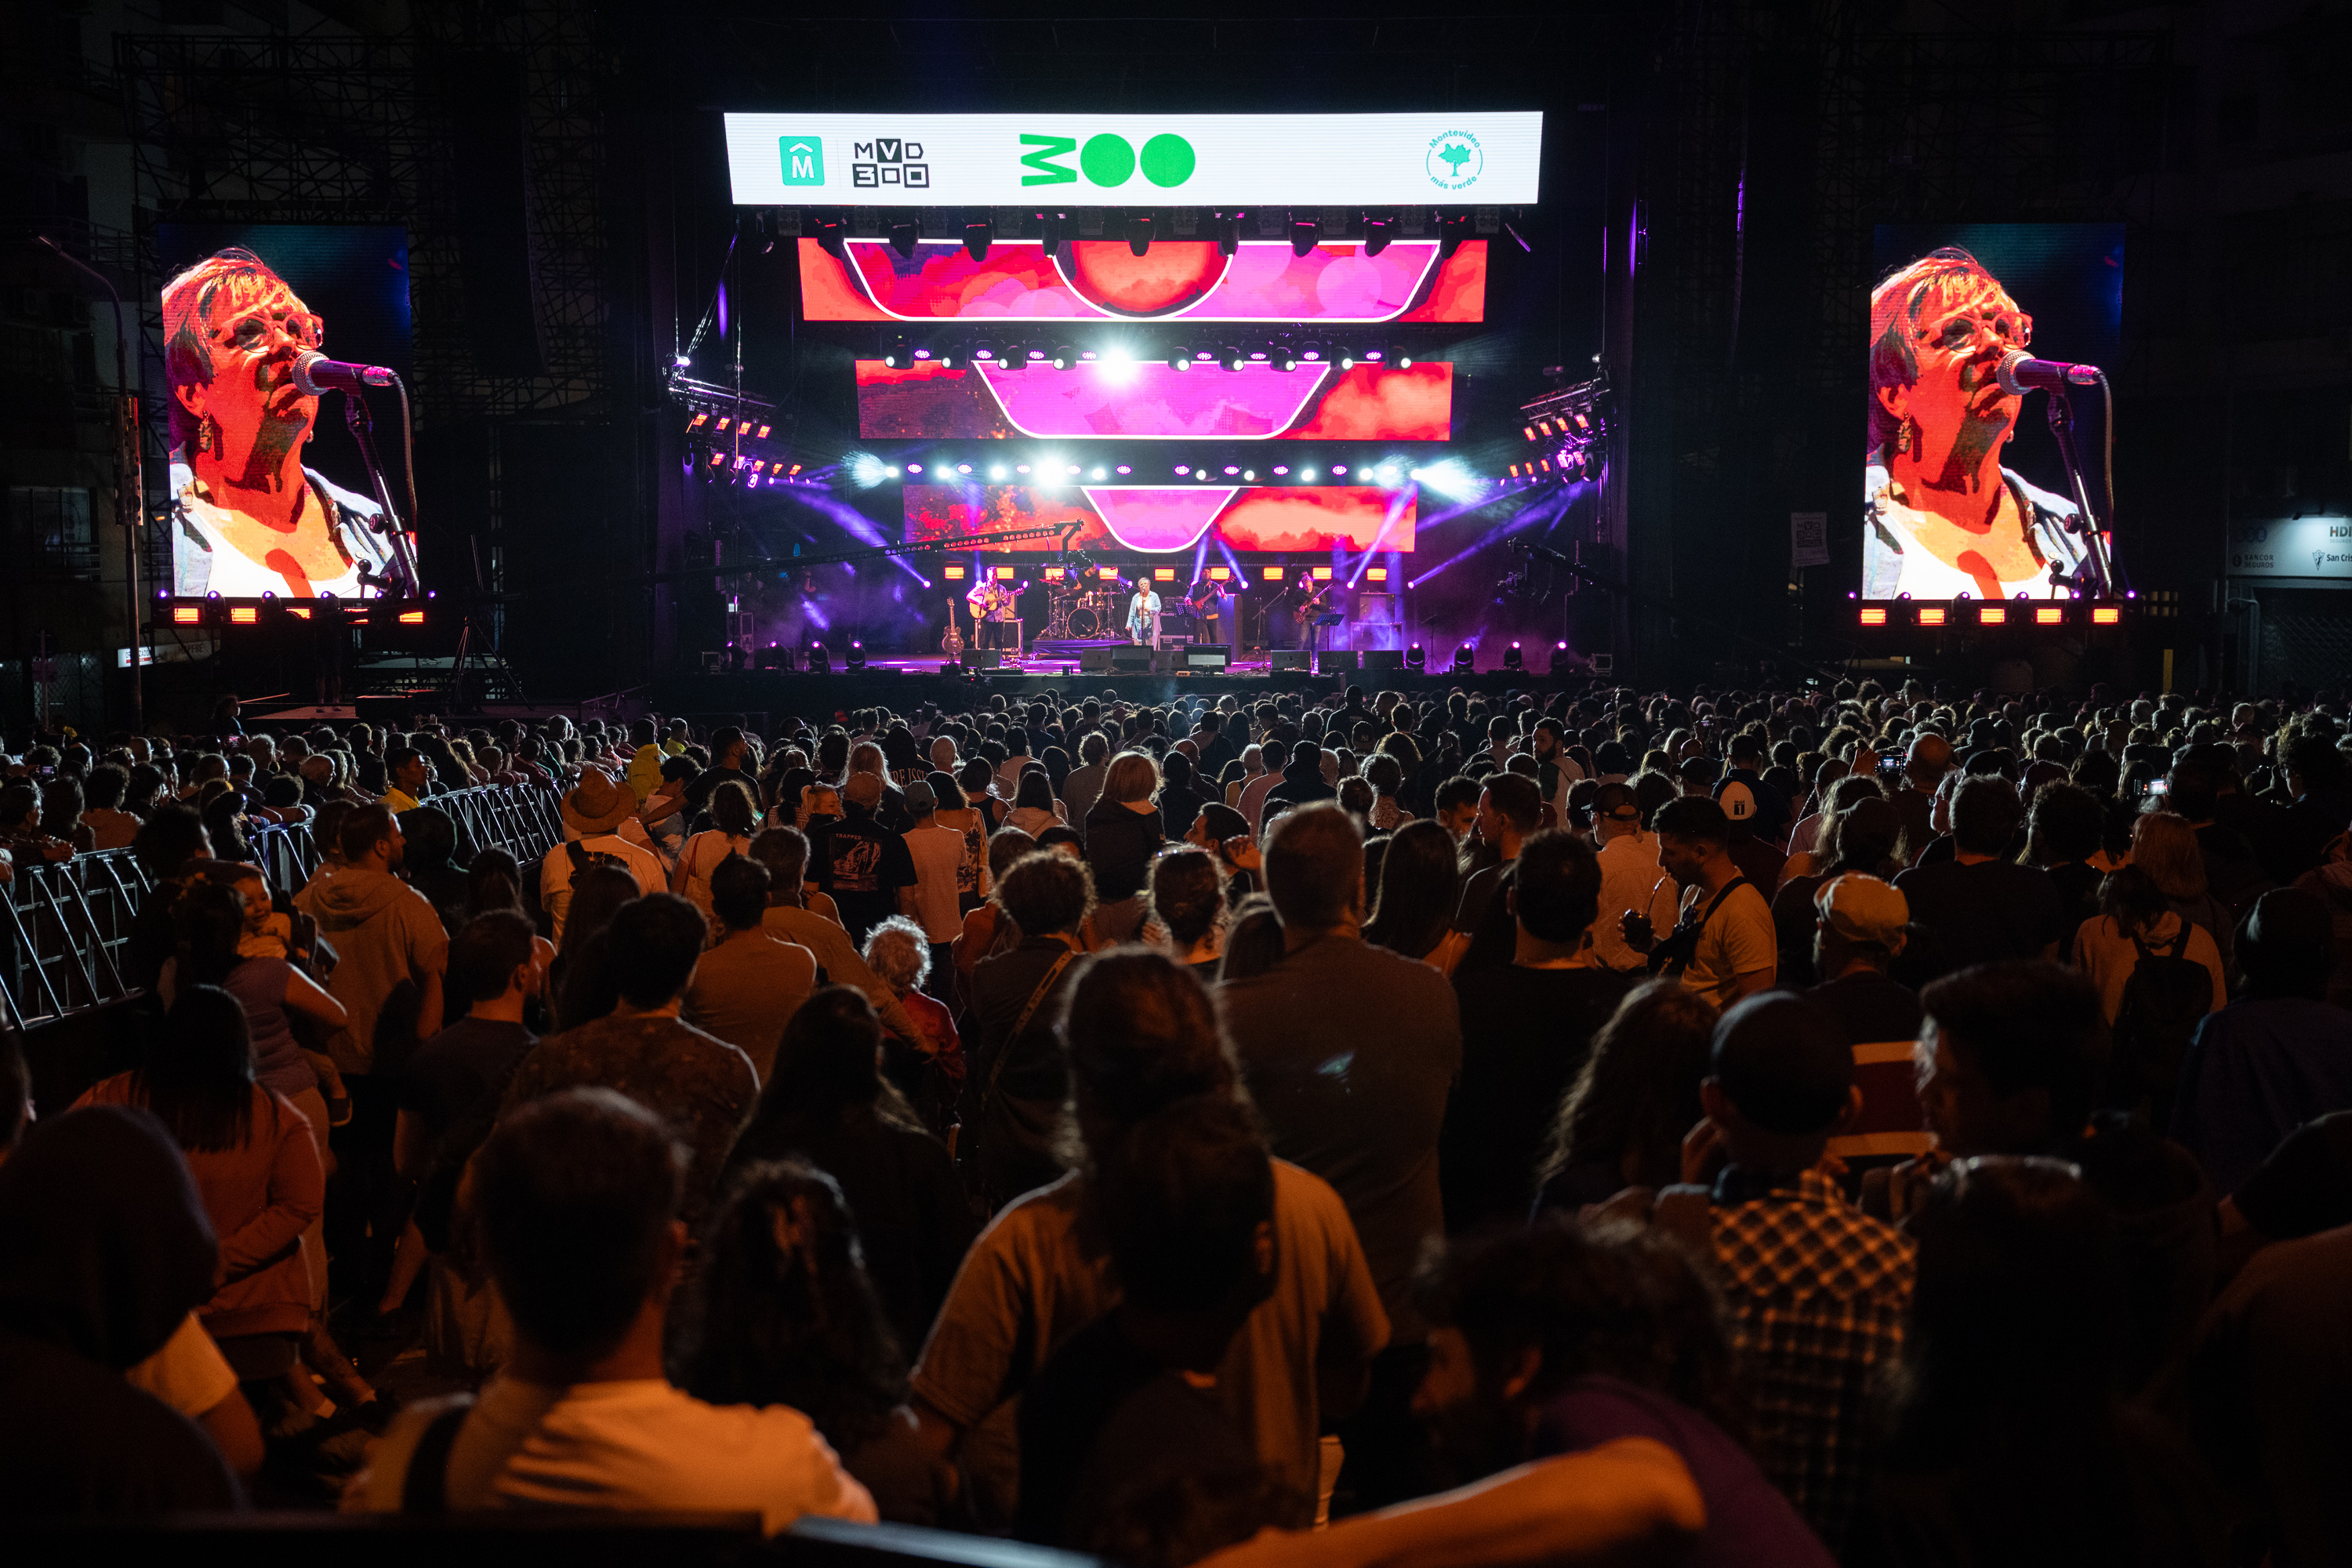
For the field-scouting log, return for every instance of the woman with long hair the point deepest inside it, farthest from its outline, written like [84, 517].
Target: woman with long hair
[1622, 1122]
[1034, 809]
[2135, 920]
[582, 983]
[955, 812]
[827, 1102]
[1414, 907]
[734, 818]
[256, 1161]
[782, 1312]
[2166, 848]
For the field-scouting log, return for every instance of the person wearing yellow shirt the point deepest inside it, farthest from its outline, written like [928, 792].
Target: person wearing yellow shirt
[405, 769]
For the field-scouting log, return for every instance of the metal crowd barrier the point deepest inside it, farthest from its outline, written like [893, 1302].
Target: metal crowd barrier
[67, 922]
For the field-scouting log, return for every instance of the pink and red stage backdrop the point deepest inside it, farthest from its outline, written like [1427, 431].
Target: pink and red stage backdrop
[1151, 400]
[1176, 280]
[1162, 519]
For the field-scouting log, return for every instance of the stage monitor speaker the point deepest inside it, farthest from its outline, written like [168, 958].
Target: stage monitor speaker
[1290, 660]
[983, 659]
[1208, 656]
[1337, 661]
[1384, 661]
[1094, 660]
[1133, 658]
[1604, 664]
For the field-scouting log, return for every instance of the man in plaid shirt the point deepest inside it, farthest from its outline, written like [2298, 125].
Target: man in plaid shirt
[1817, 1289]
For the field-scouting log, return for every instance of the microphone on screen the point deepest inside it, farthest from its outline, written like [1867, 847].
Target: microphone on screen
[2020, 372]
[315, 373]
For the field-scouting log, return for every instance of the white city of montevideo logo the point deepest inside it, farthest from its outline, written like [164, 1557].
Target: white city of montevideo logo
[1454, 161]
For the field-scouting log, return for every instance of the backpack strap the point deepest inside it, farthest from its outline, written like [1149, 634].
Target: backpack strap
[425, 1488]
[1028, 1011]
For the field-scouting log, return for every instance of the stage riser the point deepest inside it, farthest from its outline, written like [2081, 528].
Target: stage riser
[815, 696]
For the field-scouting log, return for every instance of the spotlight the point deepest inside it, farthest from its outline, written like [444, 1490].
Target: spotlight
[855, 659]
[1451, 233]
[1400, 358]
[1228, 229]
[904, 236]
[1304, 234]
[1124, 470]
[1284, 359]
[1465, 658]
[1376, 234]
[1138, 232]
[1014, 356]
[893, 351]
[1311, 353]
[1512, 657]
[829, 235]
[964, 468]
[1232, 357]
[819, 661]
[997, 472]
[928, 353]
[1038, 354]
[978, 238]
[1180, 357]
[1416, 658]
[983, 352]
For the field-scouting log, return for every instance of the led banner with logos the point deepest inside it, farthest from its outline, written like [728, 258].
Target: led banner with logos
[2319, 548]
[1150, 400]
[1438, 158]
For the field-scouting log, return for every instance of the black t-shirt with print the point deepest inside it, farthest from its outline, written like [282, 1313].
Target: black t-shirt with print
[862, 865]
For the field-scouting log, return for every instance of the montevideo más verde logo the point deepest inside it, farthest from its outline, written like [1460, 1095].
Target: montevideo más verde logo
[1455, 160]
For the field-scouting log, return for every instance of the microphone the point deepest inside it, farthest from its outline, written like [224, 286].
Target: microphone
[2020, 372]
[315, 375]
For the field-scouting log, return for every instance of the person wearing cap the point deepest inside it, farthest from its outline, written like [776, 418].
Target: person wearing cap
[1816, 1289]
[1724, 947]
[941, 862]
[861, 865]
[593, 815]
[1756, 856]
[1630, 877]
[1768, 818]
[1859, 929]
[2278, 1057]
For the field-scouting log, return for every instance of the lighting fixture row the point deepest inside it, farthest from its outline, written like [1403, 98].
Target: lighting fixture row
[1388, 472]
[901, 351]
[1239, 582]
[978, 229]
[2039, 613]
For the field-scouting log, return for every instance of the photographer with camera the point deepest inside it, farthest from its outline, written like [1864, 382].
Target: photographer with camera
[1724, 948]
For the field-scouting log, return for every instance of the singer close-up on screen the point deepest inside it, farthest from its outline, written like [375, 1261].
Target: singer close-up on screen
[1966, 496]
[265, 498]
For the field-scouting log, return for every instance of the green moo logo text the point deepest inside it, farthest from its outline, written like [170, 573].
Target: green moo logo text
[1108, 160]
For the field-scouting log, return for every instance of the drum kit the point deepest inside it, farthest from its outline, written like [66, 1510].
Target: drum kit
[1082, 611]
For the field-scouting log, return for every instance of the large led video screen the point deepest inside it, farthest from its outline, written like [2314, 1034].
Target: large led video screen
[1162, 519]
[1965, 490]
[267, 498]
[1153, 400]
[1176, 281]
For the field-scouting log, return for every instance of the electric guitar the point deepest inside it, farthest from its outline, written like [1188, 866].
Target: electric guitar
[951, 645]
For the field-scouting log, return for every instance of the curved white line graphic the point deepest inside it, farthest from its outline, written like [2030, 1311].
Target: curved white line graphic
[1224, 495]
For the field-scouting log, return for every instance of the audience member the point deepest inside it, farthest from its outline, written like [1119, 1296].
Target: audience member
[784, 852]
[1142, 1033]
[1724, 947]
[1631, 880]
[1122, 832]
[1561, 1339]
[701, 1086]
[109, 1251]
[781, 1314]
[827, 1103]
[1622, 1121]
[1355, 1093]
[1526, 1032]
[1982, 906]
[1019, 1076]
[2274, 1060]
[578, 1198]
[1419, 891]
[751, 982]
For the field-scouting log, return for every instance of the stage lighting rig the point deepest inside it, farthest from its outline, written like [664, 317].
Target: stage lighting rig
[1305, 234]
[1378, 230]
[1138, 232]
[977, 237]
[905, 235]
[1564, 430]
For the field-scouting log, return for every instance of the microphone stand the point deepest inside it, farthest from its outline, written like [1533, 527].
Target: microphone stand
[2095, 578]
[404, 560]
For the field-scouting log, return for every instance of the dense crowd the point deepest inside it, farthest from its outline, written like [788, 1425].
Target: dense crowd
[1868, 1125]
